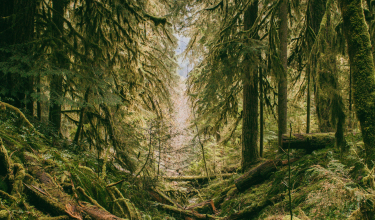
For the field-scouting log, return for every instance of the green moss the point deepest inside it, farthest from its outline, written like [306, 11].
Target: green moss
[4, 215]
[362, 66]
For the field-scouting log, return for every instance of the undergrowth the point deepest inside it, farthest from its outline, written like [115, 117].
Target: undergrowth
[70, 168]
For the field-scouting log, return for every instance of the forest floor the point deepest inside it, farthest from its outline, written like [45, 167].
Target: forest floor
[50, 179]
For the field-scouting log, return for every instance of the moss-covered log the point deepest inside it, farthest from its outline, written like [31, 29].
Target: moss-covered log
[19, 175]
[362, 69]
[225, 194]
[185, 213]
[256, 175]
[49, 197]
[308, 142]
[200, 179]
[162, 198]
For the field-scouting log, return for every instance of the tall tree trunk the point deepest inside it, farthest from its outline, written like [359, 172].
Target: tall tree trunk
[250, 100]
[308, 114]
[315, 13]
[38, 103]
[56, 87]
[363, 72]
[282, 95]
[261, 116]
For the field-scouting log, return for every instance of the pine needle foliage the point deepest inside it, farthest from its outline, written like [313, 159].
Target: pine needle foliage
[114, 57]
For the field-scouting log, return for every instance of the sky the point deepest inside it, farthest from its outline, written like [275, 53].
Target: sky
[182, 43]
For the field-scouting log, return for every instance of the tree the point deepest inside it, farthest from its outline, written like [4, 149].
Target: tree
[250, 152]
[282, 94]
[60, 60]
[314, 15]
[102, 61]
[362, 67]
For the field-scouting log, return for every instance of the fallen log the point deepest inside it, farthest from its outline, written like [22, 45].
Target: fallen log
[260, 173]
[48, 196]
[226, 194]
[308, 142]
[256, 175]
[200, 179]
[162, 198]
[186, 213]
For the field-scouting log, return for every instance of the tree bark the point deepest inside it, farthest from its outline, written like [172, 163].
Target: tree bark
[56, 87]
[362, 66]
[308, 114]
[283, 77]
[39, 103]
[261, 116]
[250, 151]
[315, 13]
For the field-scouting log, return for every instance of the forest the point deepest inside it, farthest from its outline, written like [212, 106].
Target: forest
[187, 109]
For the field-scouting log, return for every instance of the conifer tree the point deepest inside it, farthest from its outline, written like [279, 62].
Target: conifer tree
[250, 152]
[282, 96]
[56, 83]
